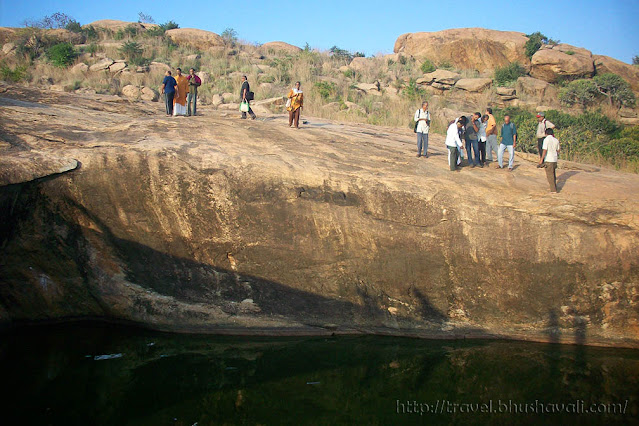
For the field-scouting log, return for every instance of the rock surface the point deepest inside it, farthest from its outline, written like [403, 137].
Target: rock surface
[256, 228]
[475, 85]
[278, 46]
[198, 39]
[536, 91]
[442, 76]
[630, 73]
[466, 48]
[551, 63]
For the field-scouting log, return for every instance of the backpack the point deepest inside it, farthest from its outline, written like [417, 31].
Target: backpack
[250, 96]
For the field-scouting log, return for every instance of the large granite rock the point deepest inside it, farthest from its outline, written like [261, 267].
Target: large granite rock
[551, 63]
[536, 91]
[198, 39]
[442, 77]
[474, 85]
[115, 25]
[251, 227]
[278, 47]
[466, 48]
[630, 73]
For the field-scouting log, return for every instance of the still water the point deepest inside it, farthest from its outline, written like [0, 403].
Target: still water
[97, 374]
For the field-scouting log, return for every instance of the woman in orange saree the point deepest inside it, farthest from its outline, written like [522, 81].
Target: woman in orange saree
[179, 102]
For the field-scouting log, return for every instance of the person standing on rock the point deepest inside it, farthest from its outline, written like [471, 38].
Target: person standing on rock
[422, 126]
[481, 143]
[491, 135]
[191, 98]
[542, 125]
[296, 102]
[168, 88]
[549, 157]
[454, 143]
[179, 107]
[472, 137]
[244, 96]
[508, 141]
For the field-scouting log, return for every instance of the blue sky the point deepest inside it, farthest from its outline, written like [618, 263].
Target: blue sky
[606, 28]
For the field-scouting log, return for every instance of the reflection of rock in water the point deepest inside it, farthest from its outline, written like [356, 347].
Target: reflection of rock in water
[245, 227]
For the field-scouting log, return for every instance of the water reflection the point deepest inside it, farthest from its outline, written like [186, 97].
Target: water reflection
[98, 374]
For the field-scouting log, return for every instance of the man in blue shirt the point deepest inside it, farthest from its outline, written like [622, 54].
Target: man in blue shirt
[508, 141]
[169, 87]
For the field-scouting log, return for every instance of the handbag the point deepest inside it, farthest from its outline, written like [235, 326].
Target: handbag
[244, 106]
[250, 96]
[288, 103]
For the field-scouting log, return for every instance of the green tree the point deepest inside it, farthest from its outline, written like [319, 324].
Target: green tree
[509, 73]
[61, 54]
[132, 51]
[229, 35]
[579, 92]
[535, 41]
[339, 53]
[635, 60]
[616, 89]
[144, 18]
[74, 26]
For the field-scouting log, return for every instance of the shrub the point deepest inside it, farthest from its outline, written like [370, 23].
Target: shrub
[635, 60]
[535, 41]
[326, 90]
[229, 35]
[569, 52]
[339, 53]
[509, 73]
[132, 51]
[427, 66]
[144, 18]
[62, 54]
[90, 32]
[412, 91]
[616, 89]
[56, 20]
[74, 26]
[579, 92]
[13, 75]
[445, 65]
[131, 30]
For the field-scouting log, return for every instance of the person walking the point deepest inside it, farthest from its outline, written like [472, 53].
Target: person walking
[245, 92]
[491, 135]
[168, 88]
[295, 104]
[422, 126]
[549, 156]
[542, 125]
[179, 102]
[472, 137]
[508, 141]
[454, 143]
[191, 98]
[481, 143]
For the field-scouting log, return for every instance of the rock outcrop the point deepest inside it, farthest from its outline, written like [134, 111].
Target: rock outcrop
[475, 85]
[198, 39]
[251, 227]
[630, 73]
[466, 48]
[115, 25]
[278, 46]
[536, 91]
[551, 63]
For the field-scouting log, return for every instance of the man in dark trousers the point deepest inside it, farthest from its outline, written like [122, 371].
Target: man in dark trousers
[168, 89]
[244, 95]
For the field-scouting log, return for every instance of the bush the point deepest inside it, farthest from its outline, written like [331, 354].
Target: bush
[535, 41]
[616, 89]
[579, 92]
[412, 91]
[339, 53]
[74, 26]
[229, 35]
[509, 74]
[56, 20]
[635, 60]
[61, 55]
[326, 90]
[427, 66]
[12, 75]
[90, 32]
[132, 51]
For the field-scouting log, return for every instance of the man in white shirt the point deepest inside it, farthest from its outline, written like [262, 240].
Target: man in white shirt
[454, 143]
[542, 125]
[422, 125]
[549, 158]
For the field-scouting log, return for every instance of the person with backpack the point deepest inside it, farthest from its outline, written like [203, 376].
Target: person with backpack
[294, 105]
[422, 126]
[542, 125]
[508, 141]
[246, 96]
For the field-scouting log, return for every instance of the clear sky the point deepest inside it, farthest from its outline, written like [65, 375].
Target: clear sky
[603, 27]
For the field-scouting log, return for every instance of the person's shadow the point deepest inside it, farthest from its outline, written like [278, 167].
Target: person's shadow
[563, 178]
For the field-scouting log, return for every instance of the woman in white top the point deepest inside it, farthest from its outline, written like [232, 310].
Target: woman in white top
[422, 125]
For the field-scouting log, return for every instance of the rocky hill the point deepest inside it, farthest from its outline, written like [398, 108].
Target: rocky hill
[111, 210]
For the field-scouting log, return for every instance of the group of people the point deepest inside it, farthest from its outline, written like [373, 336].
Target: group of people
[180, 92]
[477, 136]
[180, 96]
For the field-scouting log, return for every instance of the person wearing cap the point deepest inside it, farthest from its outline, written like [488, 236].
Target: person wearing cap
[542, 125]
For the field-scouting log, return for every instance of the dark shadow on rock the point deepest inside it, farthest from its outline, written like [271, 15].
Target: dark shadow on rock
[563, 178]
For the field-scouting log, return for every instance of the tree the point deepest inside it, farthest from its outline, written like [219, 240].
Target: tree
[61, 55]
[616, 89]
[143, 18]
[229, 35]
[535, 41]
[580, 92]
[57, 20]
[338, 53]
[635, 60]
